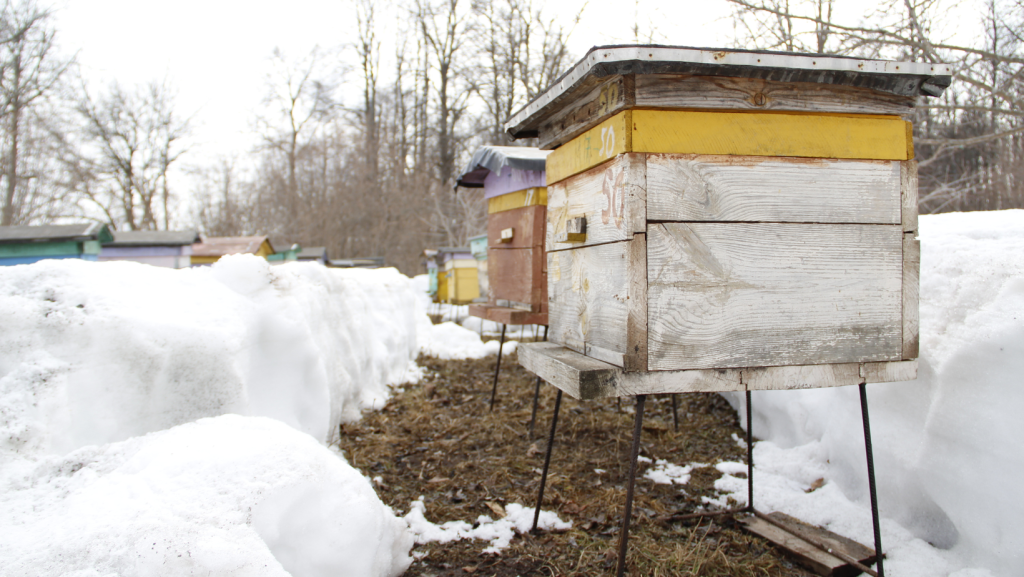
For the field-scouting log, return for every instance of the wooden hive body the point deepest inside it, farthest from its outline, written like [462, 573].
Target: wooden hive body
[513, 179]
[728, 233]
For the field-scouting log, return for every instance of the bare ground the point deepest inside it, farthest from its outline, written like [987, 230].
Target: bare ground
[439, 440]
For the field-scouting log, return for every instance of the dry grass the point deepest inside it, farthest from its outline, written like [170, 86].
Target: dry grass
[439, 440]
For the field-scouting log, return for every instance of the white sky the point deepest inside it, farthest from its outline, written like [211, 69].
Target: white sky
[215, 53]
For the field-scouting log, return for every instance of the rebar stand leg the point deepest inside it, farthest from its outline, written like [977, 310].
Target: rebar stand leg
[675, 410]
[871, 481]
[628, 512]
[547, 461]
[536, 394]
[750, 458]
[497, 367]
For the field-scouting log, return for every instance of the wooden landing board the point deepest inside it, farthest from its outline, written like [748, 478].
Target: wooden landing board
[518, 199]
[733, 133]
[695, 188]
[792, 540]
[611, 197]
[528, 226]
[507, 315]
[758, 295]
[584, 377]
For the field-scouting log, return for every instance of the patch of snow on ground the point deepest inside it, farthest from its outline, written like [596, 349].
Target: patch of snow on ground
[666, 473]
[229, 495]
[946, 446]
[498, 533]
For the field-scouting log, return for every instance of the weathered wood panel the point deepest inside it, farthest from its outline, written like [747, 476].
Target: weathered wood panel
[517, 274]
[635, 358]
[795, 540]
[583, 377]
[518, 199]
[613, 95]
[588, 289]
[911, 292]
[889, 372]
[757, 295]
[733, 133]
[768, 134]
[527, 224]
[612, 197]
[598, 144]
[908, 187]
[686, 187]
[802, 377]
[716, 92]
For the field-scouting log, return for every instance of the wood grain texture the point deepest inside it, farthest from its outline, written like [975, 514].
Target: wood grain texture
[767, 134]
[715, 92]
[600, 102]
[528, 226]
[751, 295]
[517, 274]
[584, 377]
[793, 540]
[518, 199]
[801, 377]
[908, 190]
[588, 289]
[889, 372]
[507, 315]
[604, 141]
[686, 187]
[612, 197]
[911, 298]
[635, 358]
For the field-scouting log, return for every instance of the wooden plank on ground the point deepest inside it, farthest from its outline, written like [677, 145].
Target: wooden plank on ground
[794, 539]
[517, 274]
[611, 96]
[733, 133]
[716, 92]
[518, 199]
[527, 223]
[588, 289]
[911, 296]
[611, 197]
[687, 187]
[727, 295]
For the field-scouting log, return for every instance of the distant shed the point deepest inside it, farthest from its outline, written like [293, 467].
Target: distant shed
[170, 249]
[313, 254]
[29, 244]
[211, 248]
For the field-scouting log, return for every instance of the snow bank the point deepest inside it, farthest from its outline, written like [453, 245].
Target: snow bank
[229, 495]
[92, 353]
[946, 445]
[449, 340]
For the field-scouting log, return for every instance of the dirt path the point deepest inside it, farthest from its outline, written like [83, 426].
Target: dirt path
[438, 440]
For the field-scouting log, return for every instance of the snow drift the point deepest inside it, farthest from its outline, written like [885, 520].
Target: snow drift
[946, 445]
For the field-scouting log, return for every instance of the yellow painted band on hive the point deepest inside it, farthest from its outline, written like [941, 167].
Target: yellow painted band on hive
[736, 133]
[518, 199]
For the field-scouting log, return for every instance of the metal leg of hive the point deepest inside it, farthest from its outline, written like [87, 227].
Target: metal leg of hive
[628, 512]
[871, 480]
[675, 410]
[497, 367]
[536, 394]
[547, 460]
[750, 458]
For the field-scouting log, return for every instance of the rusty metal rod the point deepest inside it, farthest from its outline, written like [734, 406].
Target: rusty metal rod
[536, 393]
[547, 461]
[675, 410]
[750, 458]
[628, 512]
[871, 479]
[497, 368]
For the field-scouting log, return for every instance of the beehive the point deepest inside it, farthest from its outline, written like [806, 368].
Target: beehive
[457, 282]
[728, 220]
[513, 181]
